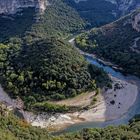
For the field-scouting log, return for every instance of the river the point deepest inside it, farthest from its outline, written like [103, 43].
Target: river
[134, 110]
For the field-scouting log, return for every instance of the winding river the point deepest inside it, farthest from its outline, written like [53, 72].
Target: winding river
[135, 109]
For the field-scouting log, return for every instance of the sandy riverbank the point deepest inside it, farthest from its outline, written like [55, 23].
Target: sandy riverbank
[112, 104]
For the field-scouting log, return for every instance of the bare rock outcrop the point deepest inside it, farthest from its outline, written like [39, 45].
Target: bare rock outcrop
[12, 6]
[136, 22]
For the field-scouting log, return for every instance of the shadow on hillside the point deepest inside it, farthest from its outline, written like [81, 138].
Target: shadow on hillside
[94, 11]
[16, 25]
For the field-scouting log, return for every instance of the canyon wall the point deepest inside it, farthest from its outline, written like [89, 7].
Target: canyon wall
[12, 6]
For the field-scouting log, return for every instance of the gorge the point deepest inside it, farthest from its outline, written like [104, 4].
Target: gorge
[12, 6]
[67, 65]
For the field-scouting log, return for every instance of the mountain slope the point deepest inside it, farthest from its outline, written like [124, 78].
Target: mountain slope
[118, 6]
[100, 12]
[117, 42]
[12, 6]
[59, 20]
[46, 70]
[12, 128]
[94, 11]
[16, 25]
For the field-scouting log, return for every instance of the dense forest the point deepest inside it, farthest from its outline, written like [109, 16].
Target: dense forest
[39, 70]
[115, 42]
[62, 19]
[16, 25]
[59, 20]
[45, 70]
[95, 12]
[39, 67]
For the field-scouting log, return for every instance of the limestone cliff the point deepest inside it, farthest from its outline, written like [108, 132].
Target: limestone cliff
[12, 6]
[136, 21]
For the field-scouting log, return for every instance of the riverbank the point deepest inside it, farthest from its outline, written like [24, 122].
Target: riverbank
[116, 67]
[112, 104]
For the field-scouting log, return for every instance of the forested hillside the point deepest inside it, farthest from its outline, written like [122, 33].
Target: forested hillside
[62, 19]
[16, 25]
[45, 70]
[59, 20]
[38, 69]
[12, 128]
[95, 12]
[117, 42]
[124, 132]
[38, 66]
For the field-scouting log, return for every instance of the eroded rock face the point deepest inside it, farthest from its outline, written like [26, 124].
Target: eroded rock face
[12, 6]
[136, 22]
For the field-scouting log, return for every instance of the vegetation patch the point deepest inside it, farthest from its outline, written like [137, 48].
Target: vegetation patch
[114, 42]
[46, 70]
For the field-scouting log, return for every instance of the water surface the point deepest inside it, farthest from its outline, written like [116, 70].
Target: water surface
[135, 109]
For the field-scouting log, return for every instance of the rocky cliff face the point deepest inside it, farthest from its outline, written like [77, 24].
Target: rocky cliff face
[136, 22]
[12, 6]
[122, 6]
[125, 6]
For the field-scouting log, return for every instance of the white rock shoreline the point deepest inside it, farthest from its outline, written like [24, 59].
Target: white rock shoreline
[112, 104]
[104, 110]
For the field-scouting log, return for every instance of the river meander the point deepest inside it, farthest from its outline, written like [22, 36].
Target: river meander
[134, 110]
